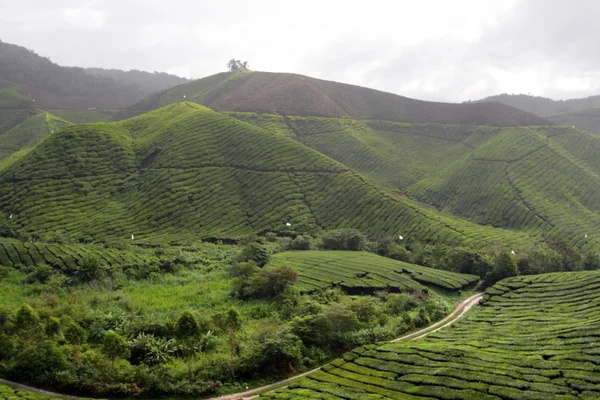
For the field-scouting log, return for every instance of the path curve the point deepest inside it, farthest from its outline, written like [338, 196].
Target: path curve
[460, 310]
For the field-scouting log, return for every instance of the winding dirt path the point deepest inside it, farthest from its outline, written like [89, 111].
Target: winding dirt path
[461, 309]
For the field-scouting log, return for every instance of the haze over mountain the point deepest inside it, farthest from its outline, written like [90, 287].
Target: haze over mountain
[57, 87]
[582, 113]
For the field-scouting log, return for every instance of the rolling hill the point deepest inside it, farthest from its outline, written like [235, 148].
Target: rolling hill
[297, 95]
[186, 171]
[534, 338]
[540, 180]
[587, 119]
[22, 126]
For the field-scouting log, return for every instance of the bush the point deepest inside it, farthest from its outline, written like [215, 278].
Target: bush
[39, 363]
[344, 239]
[256, 253]
[302, 242]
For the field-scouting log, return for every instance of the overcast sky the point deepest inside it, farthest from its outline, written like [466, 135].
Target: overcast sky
[428, 49]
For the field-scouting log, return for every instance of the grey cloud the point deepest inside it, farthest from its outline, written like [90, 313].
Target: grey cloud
[543, 46]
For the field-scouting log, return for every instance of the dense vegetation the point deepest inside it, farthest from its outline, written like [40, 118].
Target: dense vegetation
[185, 171]
[291, 94]
[535, 337]
[190, 320]
[69, 87]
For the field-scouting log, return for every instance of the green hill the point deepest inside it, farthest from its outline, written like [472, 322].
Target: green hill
[23, 138]
[539, 180]
[186, 171]
[362, 272]
[291, 94]
[534, 338]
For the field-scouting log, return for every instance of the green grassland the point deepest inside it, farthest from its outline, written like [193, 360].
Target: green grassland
[538, 180]
[365, 272]
[535, 337]
[186, 171]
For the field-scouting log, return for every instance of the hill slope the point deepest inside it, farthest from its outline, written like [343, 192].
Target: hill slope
[186, 171]
[586, 119]
[291, 94]
[535, 338]
[57, 87]
[540, 180]
[543, 106]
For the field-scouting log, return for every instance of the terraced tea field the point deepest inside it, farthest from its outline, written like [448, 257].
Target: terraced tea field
[534, 337]
[186, 171]
[10, 393]
[358, 271]
[67, 257]
[540, 180]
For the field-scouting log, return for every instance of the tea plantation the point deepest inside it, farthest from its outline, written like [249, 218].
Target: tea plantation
[539, 180]
[185, 170]
[365, 272]
[534, 337]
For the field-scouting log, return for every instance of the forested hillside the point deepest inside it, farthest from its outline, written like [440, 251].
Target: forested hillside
[57, 87]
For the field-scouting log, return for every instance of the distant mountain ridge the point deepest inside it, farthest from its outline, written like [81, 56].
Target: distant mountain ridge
[56, 86]
[298, 95]
[581, 113]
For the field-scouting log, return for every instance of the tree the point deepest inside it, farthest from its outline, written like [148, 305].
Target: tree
[27, 321]
[231, 323]
[114, 347]
[237, 65]
[187, 331]
[505, 267]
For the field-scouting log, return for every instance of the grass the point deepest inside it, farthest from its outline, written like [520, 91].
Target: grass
[535, 337]
[185, 171]
[367, 272]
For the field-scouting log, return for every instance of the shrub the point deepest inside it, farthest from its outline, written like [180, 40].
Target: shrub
[302, 242]
[344, 239]
[39, 363]
[254, 252]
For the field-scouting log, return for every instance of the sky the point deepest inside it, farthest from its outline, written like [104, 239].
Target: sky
[428, 49]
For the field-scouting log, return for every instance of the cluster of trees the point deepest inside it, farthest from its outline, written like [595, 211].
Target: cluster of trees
[237, 65]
